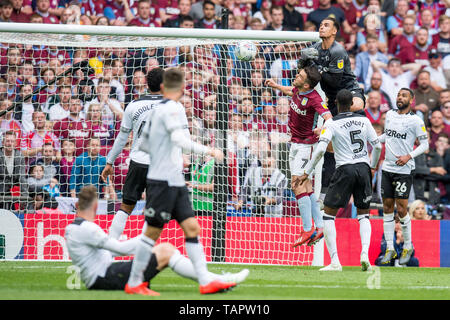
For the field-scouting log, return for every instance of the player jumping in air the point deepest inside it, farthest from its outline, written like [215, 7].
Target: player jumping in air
[306, 106]
[348, 133]
[133, 121]
[93, 251]
[165, 136]
[402, 128]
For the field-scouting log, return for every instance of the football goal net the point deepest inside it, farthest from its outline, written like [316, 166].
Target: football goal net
[64, 89]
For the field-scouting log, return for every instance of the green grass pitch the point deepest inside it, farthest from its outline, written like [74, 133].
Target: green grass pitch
[48, 281]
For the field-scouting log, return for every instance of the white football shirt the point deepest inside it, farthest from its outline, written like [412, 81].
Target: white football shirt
[401, 132]
[92, 250]
[134, 119]
[349, 133]
[166, 156]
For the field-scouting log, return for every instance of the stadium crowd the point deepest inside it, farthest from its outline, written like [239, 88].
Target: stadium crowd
[58, 133]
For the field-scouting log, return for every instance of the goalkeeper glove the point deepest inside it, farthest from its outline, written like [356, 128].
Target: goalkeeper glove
[309, 54]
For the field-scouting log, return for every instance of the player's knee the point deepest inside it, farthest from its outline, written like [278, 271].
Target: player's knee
[190, 227]
[163, 252]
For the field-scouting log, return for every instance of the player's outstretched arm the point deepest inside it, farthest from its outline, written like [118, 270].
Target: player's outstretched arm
[286, 90]
[119, 144]
[182, 140]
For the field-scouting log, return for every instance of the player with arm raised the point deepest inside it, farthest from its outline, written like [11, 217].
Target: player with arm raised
[92, 251]
[133, 122]
[305, 108]
[402, 128]
[349, 133]
[165, 137]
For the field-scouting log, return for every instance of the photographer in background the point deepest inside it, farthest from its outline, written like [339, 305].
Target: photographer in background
[264, 187]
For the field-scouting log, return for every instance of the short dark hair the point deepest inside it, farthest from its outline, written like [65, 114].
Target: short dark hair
[411, 93]
[186, 18]
[313, 76]
[392, 60]
[344, 100]
[208, 2]
[335, 23]
[154, 79]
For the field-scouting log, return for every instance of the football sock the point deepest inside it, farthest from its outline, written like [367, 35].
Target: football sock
[365, 230]
[389, 227]
[315, 211]
[182, 265]
[118, 224]
[141, 259]
[406, 230]
[304, 206]
[329, 233]
[195, 252]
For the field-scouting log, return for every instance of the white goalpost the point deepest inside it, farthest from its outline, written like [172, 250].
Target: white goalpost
[64, 86]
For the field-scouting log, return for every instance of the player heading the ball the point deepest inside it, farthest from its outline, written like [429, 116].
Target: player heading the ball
[305, 108]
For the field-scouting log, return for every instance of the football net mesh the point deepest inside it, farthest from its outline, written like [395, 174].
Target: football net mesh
[64, 97]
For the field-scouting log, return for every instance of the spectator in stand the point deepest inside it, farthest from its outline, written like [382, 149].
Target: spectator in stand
[24, 107]
[421, 47]
[99, 129]
[278, 130]
[324, 10]
[197, 12]
[283, 69]
[436, 7]
[397, 76]
[417, 210]
[237, 23]
[445, 108]
[277, 19]
[371, 28]
[49, 162]
[74, 127]
[255, 24]
[113, 71]
[36, 18]
[443, 149]
[437, 126]
[86, 170]
[138, 85]
[12, 88]
[426, 97]
[58, 105]
[292, 19]
[26, 74]
[36, 178]
[117, 11]
[264, 188]
[6, 9]
[147, 15]
[444, 96]
[372, 109]
[437, 76]
[441, 40]
[208, 21]
[428, 171]
[48, 76]
[112, 111]
[19, 13]
[264, 13]
[184, 7]
[427, 21]
[11, 58]
[43, 9]
[65, 165]
[404, 41]
[394, 23]
[351, 16]
[121, 165]
[33, 142]
[8, 123]
[363, 69]
[12, 168]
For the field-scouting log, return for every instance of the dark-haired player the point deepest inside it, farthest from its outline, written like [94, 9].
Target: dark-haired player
[133, 121]
[349, 133]
[402, 128]
[305, 108]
